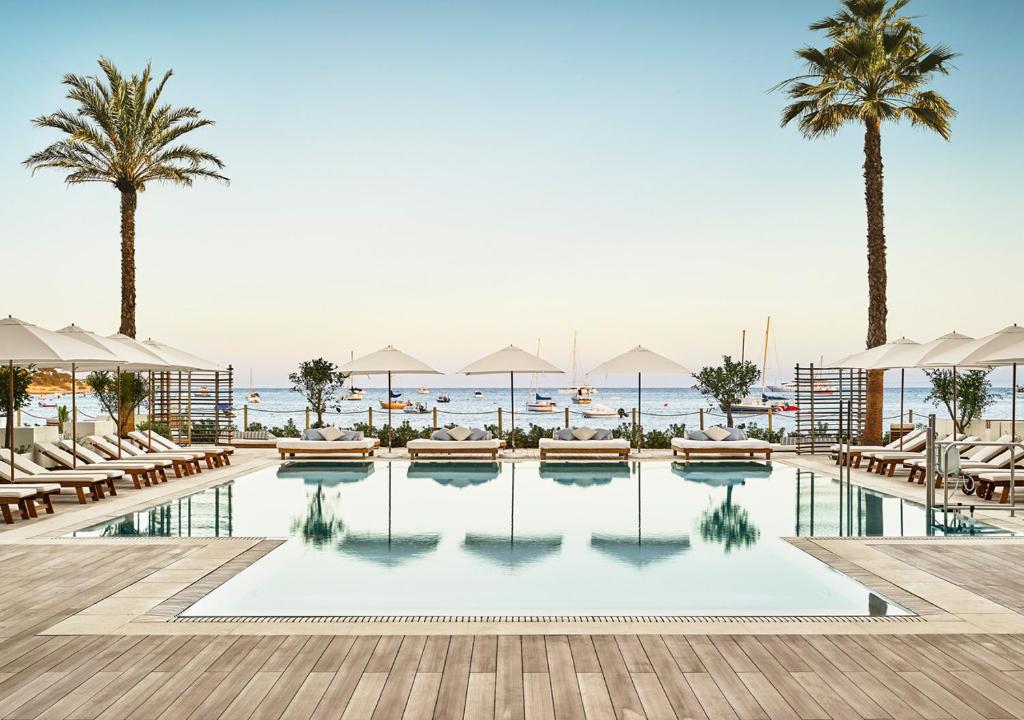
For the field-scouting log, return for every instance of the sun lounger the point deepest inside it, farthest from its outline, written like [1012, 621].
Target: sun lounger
[163, 443]
[140, 473]
[215, 457]
[107, 445]
[290, 447]
[884, 461]
[980, 458]
[987, 481]
[617, 447]
[20, 497]
[913, 441]
[80, 483]
[721, 448]
[420, 447]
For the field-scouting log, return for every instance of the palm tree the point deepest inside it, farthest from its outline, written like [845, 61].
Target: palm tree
[123, 135]
[876, 69]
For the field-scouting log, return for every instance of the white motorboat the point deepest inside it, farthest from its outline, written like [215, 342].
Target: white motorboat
[254, 398]
[601, 411]
[424, 390]
[416, 409]
[478, 395]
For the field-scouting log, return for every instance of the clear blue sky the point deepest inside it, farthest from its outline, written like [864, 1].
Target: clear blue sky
[452, 177]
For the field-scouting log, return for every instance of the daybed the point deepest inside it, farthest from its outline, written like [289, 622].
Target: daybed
[456, 441]
[583, 441]
[328, 441]
[734, 442]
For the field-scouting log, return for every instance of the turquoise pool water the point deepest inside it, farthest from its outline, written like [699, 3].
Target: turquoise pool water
[449, 538]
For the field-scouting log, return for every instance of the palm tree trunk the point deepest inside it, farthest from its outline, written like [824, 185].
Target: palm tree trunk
[128, 204]
[877, 280]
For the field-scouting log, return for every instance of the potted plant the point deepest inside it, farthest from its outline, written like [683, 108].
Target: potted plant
[63, 415]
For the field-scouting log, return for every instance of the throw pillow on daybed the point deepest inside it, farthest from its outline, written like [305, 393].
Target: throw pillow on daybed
[717, 433]
[441, 434]
[602, 435]
[478, 434]
[312, 434]
[460, 433]
[351, 436]
[563, 434]
[696, 435]
[330, 434]
[584, 433]
[736, 434]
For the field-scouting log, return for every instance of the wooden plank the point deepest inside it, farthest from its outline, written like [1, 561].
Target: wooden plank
[616, 677]
[422, 697]
[308, 696]
[767, 696]
[678, 691]
[451, 697]
[479, 696]
[340, 691]
[796, 696]
[194, 696]
[834, 680]
[384, 654]
[597, 704]
[334, 655]
[652, 697]
[830, 701]
[434, 653]
[179, 682]
[396, 690]
[77, 696]
[291, 679]
[485, 654]
[508, 690]
[714, 703]
[537, 702]
[883, 697]
[249, 698]
[584, 657]
[684, 655]
[746, 707]
[535, 654]
[223, 695]
[565, 692]
[633, 654]
[365, 697]
[733, 654]
[945, 699]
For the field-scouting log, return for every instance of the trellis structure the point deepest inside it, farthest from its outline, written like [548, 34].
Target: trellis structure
[195, 406]
[830, 401]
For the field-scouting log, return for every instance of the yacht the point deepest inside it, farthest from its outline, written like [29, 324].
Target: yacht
[600, 411]
[541, 404]
[478, 395]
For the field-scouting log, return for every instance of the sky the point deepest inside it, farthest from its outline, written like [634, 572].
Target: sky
[452, 177]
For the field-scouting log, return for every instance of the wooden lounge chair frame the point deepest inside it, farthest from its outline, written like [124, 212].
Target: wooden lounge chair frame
[138, 476]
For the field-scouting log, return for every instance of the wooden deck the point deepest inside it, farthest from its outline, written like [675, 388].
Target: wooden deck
[464, 676]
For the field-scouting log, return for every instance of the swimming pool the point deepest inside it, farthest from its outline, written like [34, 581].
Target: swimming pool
[528, 538]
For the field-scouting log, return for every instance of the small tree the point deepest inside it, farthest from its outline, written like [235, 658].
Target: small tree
[133, 394]
[728, 383]
[318, 380]
[973, 394]
[22, 380]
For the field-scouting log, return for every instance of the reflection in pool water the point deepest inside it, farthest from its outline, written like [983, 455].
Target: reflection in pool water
[459, 538]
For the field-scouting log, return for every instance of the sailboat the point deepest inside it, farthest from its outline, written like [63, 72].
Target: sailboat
[541, 403]
[254, 397]
[353, 393]
[582, 392]
[752, 404]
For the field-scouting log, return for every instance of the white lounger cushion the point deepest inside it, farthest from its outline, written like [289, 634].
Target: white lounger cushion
[295, 444]
[610, 443]
[453, 444]
[38, 487]
[16, 491]
[739, 445]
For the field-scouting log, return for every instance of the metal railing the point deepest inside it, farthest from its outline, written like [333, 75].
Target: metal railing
[941, 452]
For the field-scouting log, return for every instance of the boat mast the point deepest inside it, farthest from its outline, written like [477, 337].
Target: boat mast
[743, 346]
[764, 362]
[574, 383]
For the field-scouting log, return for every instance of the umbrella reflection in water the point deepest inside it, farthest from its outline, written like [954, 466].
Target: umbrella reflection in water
[640, 550]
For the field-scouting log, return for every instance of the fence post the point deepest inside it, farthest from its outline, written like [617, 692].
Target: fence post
[17, 422]
[566, 416]
[435, 417]
[634, 424]
[702, 418]
[307, 418]
[245, 417]
[770, 414]
[369, 414]
[499, 423]
[911, 416]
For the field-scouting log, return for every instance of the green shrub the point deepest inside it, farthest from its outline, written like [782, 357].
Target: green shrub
[756, 432]
[289, 430]
[159, 428]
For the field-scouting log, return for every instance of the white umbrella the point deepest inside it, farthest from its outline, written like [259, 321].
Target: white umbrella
[639, 360]
[23, 344]
[511, 360]
[128, 358]
[388, 361]
[895, 354]
[1005, 347]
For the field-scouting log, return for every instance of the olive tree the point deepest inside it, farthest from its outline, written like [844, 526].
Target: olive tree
[728, 383]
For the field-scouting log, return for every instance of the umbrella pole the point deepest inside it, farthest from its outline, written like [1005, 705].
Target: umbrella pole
[10, 414]
[74, 420]
[903, 373]
[956, 428]
[639, 417]
[512, 392]
[1013, 405]
[120, 410]
[389, 414]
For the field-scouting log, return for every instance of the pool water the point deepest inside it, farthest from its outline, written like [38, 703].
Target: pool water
[528, 538]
